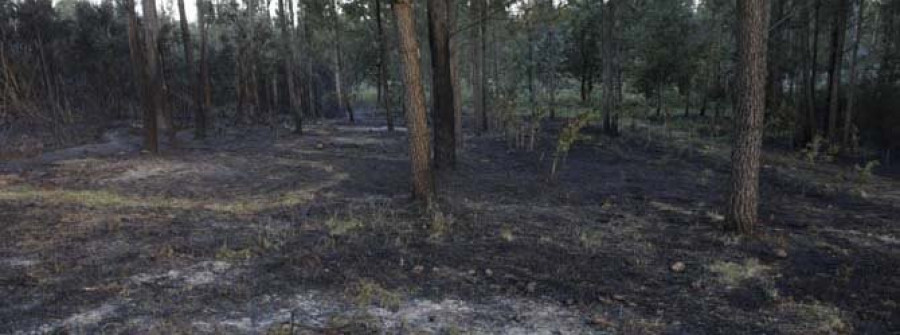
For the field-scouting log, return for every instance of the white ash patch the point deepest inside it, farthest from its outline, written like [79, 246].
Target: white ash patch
[18, 262]
[91, 317]
[500, 316]
[203, 273]
[316, 310]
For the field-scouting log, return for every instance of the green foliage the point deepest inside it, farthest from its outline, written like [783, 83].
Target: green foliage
[813, 150]
[865, 172]
[569, 135]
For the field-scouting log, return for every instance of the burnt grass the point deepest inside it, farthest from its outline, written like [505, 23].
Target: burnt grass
[117, 241]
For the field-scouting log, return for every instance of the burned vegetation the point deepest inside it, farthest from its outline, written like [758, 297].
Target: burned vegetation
[449, 167]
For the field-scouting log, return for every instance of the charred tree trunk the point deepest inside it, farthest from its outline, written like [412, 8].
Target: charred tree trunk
[834, 70]
[477, 13]
[442, 84]
[288, 61]
[609, 72]
[135, 48]
[193, 75]
[851, 89]
[384, 95]
[202, 9]
[454, 74]
[752, 33]
[419, 148]
[154, 83]
[814, 123]
[339, 63]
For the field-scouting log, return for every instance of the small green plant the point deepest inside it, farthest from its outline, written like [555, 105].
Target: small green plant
[366, 292]
[591, 238]
[342, 226]
[567, 137]
[506, 233]
[440, 224]
[864, 173]
[732, 274]
[813, 149]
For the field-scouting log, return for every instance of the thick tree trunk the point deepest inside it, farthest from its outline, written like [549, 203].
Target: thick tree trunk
[753, 22]
[419, 148]
[384, 95]
[478, 81]
[442, 84]
[151, 67]
[834, 71]
[851, 89]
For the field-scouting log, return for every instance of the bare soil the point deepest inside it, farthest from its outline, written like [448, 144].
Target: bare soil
[258, 231]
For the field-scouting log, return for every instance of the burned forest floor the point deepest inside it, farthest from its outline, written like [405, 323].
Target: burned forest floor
[258, 231]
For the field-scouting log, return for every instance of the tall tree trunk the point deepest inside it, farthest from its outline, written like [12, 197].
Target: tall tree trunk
[384, 95]
[151, 67]
[834, 71]
[609, 72]
[136, 51]
[166, 119]
[193, 74]
[776, 39]
[454, 74]
[803, 130]
[339, 63]
[812, 116]
[312, 97]
[851, 89]
[419, 148]
[442, 84]
[288, 61]
[202, 9]
[753, 22]
[477, 15]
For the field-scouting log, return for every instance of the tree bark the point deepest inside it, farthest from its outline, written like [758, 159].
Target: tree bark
[834, 71]
[151, 67]
[812, 116]
[288, 61]
[442, 84]
[851, 89]
[753, 24]
[803, 130]
[384, 95]
[192, 74]
[454, 74]
[136, 50]
[609, 71]
[477, 14]
[339, 63]
[419, 148]
[202, 8]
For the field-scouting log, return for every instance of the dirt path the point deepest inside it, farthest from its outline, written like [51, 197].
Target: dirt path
[249, 233]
